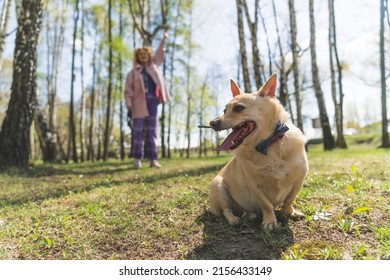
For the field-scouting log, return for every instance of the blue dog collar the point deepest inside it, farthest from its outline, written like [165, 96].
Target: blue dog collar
[280, 130]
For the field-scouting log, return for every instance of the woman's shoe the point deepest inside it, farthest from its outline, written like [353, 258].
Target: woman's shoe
[155, 163]
[137, 164]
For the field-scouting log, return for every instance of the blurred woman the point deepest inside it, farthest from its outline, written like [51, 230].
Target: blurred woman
[145, 89]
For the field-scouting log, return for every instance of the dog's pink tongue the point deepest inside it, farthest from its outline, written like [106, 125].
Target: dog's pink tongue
[225, 146]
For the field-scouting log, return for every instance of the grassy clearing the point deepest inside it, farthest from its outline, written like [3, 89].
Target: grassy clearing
[108, 211]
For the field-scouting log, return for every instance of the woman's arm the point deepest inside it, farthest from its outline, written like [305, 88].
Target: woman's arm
[160, 52]
[129, 90]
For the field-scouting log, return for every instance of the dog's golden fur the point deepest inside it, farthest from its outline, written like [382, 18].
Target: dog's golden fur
[253, 182]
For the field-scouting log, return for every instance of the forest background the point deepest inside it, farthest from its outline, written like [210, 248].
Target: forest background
[67, 190]
[85, 48]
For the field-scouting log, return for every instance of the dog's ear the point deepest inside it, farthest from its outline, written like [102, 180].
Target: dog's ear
[268, 89]
[235, 89]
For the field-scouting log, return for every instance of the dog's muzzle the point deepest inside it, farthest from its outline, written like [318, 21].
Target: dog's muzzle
[216, 124]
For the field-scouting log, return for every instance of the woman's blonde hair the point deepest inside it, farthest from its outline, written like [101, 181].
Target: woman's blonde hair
[137, 51]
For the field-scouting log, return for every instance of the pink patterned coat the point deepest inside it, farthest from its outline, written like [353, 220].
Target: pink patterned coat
[135, 89]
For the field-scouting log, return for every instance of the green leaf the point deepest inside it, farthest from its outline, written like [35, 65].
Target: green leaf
[361, 209]
[350, 189]
[322, 216]
[48, 242]
[354, 169]
[35, 222]
[361, 250]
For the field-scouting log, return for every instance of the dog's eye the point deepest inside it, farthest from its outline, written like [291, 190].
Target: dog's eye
[238, 108]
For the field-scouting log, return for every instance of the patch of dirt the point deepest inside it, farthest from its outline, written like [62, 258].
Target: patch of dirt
[246, 241]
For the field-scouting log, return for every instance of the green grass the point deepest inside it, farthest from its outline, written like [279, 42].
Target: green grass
[106, 210]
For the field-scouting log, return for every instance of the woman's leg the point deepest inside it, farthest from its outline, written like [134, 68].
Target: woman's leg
[151, 137]
[137, 138]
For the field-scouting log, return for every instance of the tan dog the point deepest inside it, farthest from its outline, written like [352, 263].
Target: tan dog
[269, 163]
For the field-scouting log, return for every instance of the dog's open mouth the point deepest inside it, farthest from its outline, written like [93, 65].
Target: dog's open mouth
[236, 138]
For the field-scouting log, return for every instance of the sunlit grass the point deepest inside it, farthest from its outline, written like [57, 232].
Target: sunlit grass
[106, 210]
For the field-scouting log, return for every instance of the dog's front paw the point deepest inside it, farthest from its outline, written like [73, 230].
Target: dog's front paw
[234, 220]
[293, 213]
[297, 214]
[269, 225]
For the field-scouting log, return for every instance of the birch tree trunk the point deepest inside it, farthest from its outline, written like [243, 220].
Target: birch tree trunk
[282, 67]
[243, 56]
[164, 5]
[120, 89]
[385, 132]
[91, 150]
[83, 97]
[270, 70]
[46, 137]
[171, 76]
[202, 108]
[326, 130]
[109, 91]
[15, 131]
[4, 19]
[294, 50]
[337, 98]
[55, 44]
[99, 108]
[253, 27]
[72, 149]
[93, 136]
[189, 94]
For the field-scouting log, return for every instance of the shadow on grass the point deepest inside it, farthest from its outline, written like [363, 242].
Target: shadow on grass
[86, 169]
[244, 242]
[58, 190]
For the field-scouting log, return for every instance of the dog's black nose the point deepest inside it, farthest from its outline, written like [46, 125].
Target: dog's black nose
[215, 123]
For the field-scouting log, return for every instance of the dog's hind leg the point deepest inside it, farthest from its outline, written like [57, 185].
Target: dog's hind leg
[221, 201]
[287, 203]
